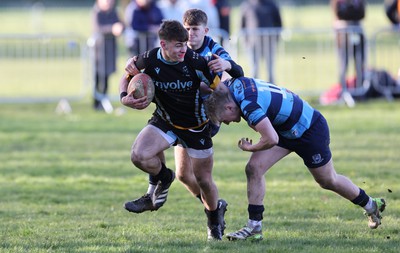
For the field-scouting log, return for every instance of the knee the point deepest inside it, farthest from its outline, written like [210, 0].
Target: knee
[182, 176]
[253, 170]
[204, 183]
[137, 158]
[327, 183]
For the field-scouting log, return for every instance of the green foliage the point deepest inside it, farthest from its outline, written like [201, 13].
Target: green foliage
[64, 179]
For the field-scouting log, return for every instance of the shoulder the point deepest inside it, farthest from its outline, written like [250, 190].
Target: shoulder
[150, 54]
[192, 56]
[147, 58]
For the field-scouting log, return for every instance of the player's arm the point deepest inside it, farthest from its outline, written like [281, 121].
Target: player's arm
[219, 64]
[131, 68]
[236, 70]
[268, 139]
[126, 98]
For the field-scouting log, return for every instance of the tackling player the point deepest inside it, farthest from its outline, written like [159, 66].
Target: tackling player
[286, 124]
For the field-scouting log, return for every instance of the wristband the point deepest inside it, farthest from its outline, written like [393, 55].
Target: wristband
[123, 94]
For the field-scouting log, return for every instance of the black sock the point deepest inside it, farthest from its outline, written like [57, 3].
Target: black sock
[362, 199]
[255, 212]
[153, 179]
[212, 217]
[165, 174]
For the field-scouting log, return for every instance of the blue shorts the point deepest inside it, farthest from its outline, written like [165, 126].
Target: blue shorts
[313, 145]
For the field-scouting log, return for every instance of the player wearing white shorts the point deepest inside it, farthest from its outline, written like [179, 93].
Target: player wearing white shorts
[179, 117]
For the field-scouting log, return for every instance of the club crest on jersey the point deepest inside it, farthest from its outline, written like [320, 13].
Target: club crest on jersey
[317, 159]
[239, 87]
[202, 141]
[157, 70]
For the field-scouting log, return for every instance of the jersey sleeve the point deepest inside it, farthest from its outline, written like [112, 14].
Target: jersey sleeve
[246, 96]
[200, 65]
[236, 70]
[144, 59]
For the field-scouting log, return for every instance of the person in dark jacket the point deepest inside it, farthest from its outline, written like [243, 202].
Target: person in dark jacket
[351, 44]
[224, 13]
[106, 27]
[145, 22]
[392, 9]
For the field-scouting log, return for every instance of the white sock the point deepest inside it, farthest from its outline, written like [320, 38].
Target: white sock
[369, 207]
[151, 188]
[254, 224]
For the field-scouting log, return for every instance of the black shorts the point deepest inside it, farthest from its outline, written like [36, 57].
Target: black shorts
[198, 139]
[313, 145]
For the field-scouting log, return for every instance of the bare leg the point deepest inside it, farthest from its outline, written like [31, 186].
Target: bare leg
[260, 162]
[327, 178]
[202, 168]
[184, 171]
[146, 155]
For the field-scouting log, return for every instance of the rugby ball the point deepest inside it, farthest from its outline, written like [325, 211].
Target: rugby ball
[142, 85]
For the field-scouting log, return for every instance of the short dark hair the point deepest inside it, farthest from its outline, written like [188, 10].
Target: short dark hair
[195, 17]
[173, 30]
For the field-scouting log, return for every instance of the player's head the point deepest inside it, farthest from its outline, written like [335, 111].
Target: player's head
[105, 5]
[220, 106]
[173, 40]
[195, 22]
[195, 17]
[173, 30]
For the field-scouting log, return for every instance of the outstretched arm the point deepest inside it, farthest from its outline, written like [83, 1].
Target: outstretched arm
[269, 137]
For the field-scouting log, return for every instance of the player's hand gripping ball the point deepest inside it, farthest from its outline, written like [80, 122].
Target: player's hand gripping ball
[142, 85]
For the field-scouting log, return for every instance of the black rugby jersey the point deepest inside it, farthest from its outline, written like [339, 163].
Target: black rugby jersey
[177, 97]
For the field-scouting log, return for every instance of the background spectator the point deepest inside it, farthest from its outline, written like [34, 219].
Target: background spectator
[224, 12]
[350, 40]
[106, 26]
[129, 34]
[256, 14]
[206, 6]
[145, 21]
[171, 9]
[392, 9]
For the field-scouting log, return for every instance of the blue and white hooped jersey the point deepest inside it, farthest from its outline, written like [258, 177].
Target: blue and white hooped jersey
[210, 47]
[289, 114]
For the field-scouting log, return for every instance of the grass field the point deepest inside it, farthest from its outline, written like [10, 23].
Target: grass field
[64, 178]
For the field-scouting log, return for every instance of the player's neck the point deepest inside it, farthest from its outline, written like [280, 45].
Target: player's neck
[166, 58]
[195, 47]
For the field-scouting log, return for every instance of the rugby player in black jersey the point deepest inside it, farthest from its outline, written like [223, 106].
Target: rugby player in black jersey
[195, 21]
[179, 117]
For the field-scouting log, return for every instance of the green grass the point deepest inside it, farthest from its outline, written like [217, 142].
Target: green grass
[64, 179]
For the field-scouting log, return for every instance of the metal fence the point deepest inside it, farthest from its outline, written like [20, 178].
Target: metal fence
[36, 68]
[43, 68]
